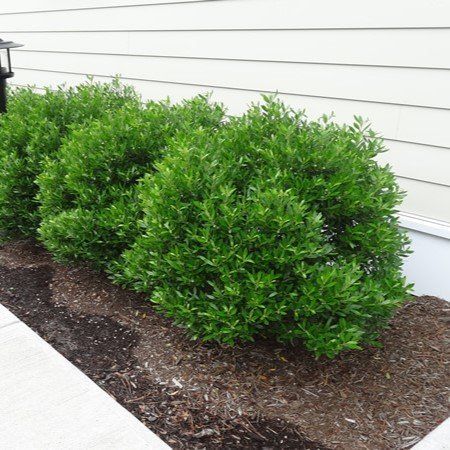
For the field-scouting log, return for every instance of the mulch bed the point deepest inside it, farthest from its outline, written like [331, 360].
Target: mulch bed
[260, 395]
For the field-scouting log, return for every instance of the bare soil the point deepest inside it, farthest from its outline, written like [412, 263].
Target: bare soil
[258, 396]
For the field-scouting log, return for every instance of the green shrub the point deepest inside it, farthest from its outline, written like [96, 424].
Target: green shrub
[272, 226]
[33, 129]
[87, 192]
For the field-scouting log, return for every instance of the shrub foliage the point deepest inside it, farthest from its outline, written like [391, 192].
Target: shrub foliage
[87, 192]
[265, 225]
[32, 130]
[272, 226]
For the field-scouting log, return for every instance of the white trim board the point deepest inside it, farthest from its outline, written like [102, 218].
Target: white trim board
[429, 265]
[425, 225]
[47, 403]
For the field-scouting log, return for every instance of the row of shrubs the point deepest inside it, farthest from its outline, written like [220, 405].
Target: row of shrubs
[265, 224]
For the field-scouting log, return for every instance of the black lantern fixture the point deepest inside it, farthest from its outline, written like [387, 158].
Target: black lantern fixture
[5, 72]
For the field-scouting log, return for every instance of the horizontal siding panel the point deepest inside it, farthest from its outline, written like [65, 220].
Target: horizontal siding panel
[23, 6]
[414, 48]
[425, 127]
[420, 162]
[85, 42]
[382, 84]
[425, 199]
[248, 14]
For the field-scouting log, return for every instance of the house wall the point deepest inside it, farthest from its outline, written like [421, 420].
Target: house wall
[388, 61]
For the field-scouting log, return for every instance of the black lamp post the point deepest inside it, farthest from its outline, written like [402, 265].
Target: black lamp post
[5, 72]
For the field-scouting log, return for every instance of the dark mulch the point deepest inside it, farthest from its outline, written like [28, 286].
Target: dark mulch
[259, 395]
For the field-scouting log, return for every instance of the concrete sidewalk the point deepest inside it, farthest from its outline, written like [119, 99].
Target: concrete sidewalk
[46, 403]
[438, 439]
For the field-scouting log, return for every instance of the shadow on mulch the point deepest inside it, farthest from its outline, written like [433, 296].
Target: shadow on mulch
[103, 349]
[260, 395]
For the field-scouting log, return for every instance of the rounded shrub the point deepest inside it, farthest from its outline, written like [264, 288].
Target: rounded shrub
[24, 128]
[33, 129]
[276, 226]
[87, 190]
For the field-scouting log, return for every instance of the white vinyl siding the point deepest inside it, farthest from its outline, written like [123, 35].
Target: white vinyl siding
[388, 61]
[224, 14]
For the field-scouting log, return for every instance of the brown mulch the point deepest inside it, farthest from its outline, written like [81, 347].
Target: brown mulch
[260, 395]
